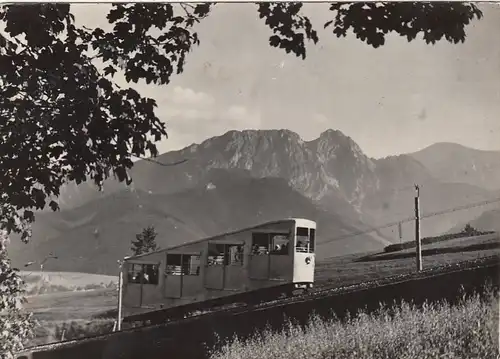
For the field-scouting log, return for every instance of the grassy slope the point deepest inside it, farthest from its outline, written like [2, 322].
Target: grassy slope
[346, 270]
[468, 330]
[62, 301]
[66, 279]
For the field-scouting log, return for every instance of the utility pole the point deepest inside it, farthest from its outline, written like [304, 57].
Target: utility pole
[400, 230]
[417, 229]
[120, 291]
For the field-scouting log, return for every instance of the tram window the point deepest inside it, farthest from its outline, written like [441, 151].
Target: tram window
[143, 273]
[190, 265]
[260, 243]
[312, 240]
[215, 254]
[185, 264]
[235, 256]
[279, 244]
[150, 274]
[302, 239]
[174, 265]
[134, 273]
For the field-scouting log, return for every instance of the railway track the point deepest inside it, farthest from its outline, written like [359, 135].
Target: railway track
[242, 306]
[443, 269]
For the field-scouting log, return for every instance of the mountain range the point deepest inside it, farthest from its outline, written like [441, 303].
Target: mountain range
[242, 178]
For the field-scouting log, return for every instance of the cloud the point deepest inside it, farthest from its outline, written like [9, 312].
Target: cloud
[240, 116]
[320, 119]
[193, 116]
[187, 96]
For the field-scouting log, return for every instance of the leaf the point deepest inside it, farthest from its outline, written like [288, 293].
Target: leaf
[109, 70]
[29, 216]
[370, 22]
[54, 206]
[274, 40]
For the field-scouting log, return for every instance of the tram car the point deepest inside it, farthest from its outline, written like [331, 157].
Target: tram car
[273, 255]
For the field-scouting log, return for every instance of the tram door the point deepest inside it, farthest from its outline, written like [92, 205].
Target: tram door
[133, 294]
[224, 268]
[269, 256]
[259, 257]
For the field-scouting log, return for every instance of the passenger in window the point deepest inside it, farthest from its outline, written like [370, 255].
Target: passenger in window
[239, 254]
[137, 278]
[284, 248]
[301, 245]
[153, 275]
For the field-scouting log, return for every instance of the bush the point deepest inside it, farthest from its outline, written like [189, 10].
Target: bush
[468, 330]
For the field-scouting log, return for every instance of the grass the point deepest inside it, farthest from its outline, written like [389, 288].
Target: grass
[355, 268]
[467, 330]
[72, 305]
[55, 295]
[53, 282]
[54, 331]
[66, 302]
[466, 232]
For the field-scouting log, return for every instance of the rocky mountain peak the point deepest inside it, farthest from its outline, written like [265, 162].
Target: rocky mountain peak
[332, 162]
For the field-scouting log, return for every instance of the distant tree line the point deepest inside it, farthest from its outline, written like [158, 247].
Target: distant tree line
[467, 231]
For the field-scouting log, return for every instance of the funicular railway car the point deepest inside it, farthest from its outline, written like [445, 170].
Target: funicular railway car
[274, 255]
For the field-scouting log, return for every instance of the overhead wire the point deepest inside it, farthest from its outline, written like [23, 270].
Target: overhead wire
[161, 163]
[410, 219]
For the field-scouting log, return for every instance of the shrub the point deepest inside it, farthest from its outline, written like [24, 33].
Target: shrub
[468, 330]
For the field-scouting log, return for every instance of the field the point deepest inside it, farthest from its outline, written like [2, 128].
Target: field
[468, 330]
[59, 307]
[56, 295]
[49, 282]
[63, 303]
[357, 268]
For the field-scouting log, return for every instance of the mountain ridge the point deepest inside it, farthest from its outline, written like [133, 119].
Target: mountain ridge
[143, 169]
[456, 163]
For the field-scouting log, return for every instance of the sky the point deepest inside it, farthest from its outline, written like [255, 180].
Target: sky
[399, 98]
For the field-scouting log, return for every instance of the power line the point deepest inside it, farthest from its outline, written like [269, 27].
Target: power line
[459, 208]
[411, 219]
[161, 163]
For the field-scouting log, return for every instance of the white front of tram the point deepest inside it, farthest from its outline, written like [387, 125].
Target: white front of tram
[304, 256]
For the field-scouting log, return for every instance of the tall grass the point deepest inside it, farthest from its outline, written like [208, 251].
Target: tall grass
[54, 331]
[467, 330]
